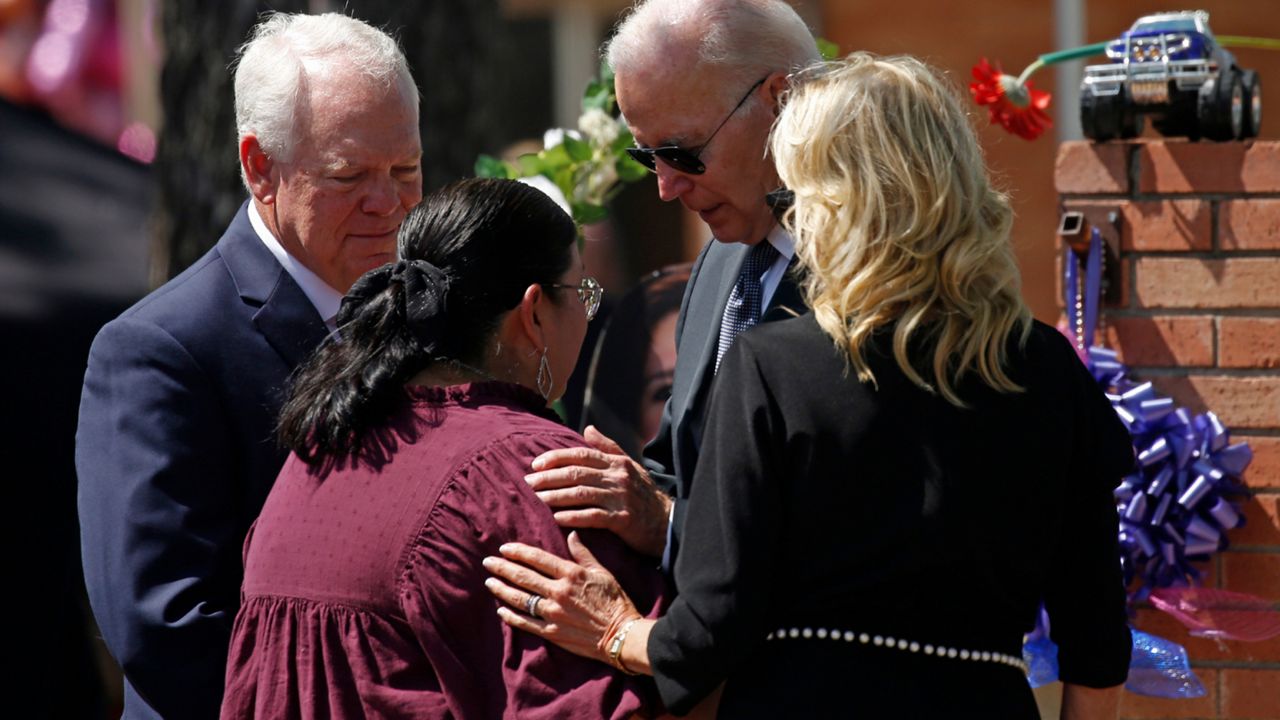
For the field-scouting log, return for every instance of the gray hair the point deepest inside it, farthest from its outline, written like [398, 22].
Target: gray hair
[272, 68]
[745, 37]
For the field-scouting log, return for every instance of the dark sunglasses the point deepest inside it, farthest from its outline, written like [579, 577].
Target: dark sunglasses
[686, 161]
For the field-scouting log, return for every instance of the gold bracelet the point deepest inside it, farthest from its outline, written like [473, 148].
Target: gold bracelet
[615, 646]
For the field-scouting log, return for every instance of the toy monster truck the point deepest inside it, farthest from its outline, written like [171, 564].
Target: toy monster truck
[1170, 66]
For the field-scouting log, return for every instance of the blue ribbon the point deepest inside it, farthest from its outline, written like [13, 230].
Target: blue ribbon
[1040, 653]
[1157, 667]
[1088, 305]
[1160, 668]
[1175, 507]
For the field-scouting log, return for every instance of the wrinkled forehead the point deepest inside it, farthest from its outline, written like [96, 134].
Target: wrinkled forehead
[357, 122]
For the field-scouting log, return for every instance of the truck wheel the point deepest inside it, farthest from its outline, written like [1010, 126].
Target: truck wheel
[1100, 116]
[1251, 86]
[1221, 108]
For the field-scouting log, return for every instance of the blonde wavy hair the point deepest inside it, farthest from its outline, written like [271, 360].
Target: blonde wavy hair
[896, 221]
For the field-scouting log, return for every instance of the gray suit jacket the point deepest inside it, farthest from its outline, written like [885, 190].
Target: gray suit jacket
[672, 456]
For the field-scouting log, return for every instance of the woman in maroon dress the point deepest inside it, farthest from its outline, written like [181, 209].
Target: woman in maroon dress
[363, 590]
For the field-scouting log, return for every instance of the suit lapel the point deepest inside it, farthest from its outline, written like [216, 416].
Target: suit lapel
[731, 260]
[285, 316]
[290, 322]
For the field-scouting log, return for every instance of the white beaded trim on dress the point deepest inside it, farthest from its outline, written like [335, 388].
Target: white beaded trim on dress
[941, 651]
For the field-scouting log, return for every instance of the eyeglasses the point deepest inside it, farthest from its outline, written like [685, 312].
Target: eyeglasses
[686, 161]
[589, 294]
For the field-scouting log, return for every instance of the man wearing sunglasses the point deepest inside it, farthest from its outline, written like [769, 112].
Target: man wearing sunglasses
[698, 82]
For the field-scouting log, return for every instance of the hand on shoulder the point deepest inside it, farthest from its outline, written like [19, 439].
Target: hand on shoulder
[601, 487]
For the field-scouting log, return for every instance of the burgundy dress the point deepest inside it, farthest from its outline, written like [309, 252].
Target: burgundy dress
[363, 590]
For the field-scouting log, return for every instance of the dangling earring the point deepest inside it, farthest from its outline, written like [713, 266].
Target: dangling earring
[544, 380]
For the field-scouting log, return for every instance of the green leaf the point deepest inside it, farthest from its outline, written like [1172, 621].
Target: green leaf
[828, 49]
[530, 164]
[624, 141]
[569, 164]
[586, 213]
[579, 150]
[598, 95]
[609, 102]
[563, 178]
[555, 157]
[488, 166]
[629, 170]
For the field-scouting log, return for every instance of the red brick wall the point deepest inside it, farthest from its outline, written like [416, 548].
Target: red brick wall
[1198, 313]
[954, 36]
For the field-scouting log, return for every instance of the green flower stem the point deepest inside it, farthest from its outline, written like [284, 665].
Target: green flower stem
[1062, 56]
[1231, 41]
[1239, 41]
[1075, 53]
[1030, 70]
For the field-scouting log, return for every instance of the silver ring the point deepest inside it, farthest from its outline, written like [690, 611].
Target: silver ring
[531, 606]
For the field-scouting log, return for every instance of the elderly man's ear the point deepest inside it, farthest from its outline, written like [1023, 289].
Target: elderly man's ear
[259, 169]
[777, 85]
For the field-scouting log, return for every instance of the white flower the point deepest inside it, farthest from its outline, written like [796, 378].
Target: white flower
[599, 126]
[555, 136]
[550, 188]
[598, 183]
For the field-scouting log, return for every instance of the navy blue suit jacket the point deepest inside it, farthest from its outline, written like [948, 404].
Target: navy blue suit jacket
[673, 454]
[175, 453]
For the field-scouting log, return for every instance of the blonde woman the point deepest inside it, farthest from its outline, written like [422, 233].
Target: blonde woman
[892, 483]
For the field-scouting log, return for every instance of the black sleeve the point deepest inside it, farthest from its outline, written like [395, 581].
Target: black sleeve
[730, 545]
[1086, 595]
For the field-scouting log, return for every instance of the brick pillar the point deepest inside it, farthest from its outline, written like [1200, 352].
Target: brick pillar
[1196, 254]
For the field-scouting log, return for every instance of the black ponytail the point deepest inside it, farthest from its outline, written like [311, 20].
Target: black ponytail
[467, 254]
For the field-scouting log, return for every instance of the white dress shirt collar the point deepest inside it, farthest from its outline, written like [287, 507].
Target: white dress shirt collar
[781, 241]
[325, 299]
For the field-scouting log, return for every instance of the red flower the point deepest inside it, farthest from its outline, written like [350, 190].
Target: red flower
[1017, 106]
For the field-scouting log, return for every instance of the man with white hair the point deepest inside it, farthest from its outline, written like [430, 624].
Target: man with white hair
[175, 449]
[698, 82]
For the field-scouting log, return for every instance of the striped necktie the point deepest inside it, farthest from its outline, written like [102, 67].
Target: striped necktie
[743, 309]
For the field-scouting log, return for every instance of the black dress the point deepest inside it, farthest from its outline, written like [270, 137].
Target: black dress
[824, 503]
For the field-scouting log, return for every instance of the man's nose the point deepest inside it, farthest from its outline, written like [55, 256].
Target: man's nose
[383, 196]
[671, 182]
